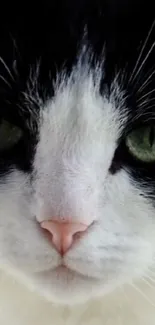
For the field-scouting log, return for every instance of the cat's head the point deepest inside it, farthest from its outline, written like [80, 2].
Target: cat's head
[77, 147]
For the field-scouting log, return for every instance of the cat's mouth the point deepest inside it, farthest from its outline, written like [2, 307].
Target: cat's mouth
[64, 270]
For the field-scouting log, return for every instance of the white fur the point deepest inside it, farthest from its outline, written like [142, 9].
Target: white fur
[78, 136]
[125, 306]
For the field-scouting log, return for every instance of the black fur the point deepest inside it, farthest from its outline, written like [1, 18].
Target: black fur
[51, 33]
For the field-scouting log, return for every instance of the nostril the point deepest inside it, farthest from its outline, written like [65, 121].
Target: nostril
[63, 235]
[78, 235]
[47, 234]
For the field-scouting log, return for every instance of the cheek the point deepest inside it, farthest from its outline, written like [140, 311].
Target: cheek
[126, 218]
[129, 222]
[23, 245]
[21, 241]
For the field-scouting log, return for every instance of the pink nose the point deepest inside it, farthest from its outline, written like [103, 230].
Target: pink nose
[63, 234]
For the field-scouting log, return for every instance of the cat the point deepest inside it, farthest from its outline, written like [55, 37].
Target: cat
[77, 162]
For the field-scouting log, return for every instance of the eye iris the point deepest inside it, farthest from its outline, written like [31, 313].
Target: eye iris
[141, 144]
[9, 135]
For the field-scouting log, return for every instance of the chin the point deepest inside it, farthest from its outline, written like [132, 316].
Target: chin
[64, 286]
[67, 287]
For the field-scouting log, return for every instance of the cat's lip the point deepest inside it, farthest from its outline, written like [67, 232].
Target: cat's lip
[60, 269]
[64, 268]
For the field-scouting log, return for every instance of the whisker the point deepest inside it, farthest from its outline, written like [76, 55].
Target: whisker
[145, 103]
[146, 115]
[5, 81]
[141, 53]
[6, 67]
[143, 62]
[147, 276]
[150, 92]
[142, 294]
[148, 284]
[152, 117]
[145, 84]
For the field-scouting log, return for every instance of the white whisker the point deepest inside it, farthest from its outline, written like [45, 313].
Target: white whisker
[148, 284]
[143, 62]
[145, 103]
[142, 294]
[148, 114]
[6, 67]
[141, 53]
[145, 84]
[150, 92]
[5, 81]
[148, 276]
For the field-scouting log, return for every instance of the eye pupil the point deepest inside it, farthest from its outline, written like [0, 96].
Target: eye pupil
[151, 136]
[9, 135]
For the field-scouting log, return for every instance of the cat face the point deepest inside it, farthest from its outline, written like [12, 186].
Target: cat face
[77, 144]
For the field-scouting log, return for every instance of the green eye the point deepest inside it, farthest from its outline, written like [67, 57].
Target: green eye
[9, 135]
[141, 143]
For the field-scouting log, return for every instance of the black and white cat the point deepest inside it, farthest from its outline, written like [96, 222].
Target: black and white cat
[77, 162]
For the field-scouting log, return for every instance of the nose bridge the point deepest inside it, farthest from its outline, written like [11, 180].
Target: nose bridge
[71, 180]
[68, 182]
[68, 191]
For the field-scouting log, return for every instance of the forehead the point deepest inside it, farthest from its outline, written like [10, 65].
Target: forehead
[53, 30]
[39, 42]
